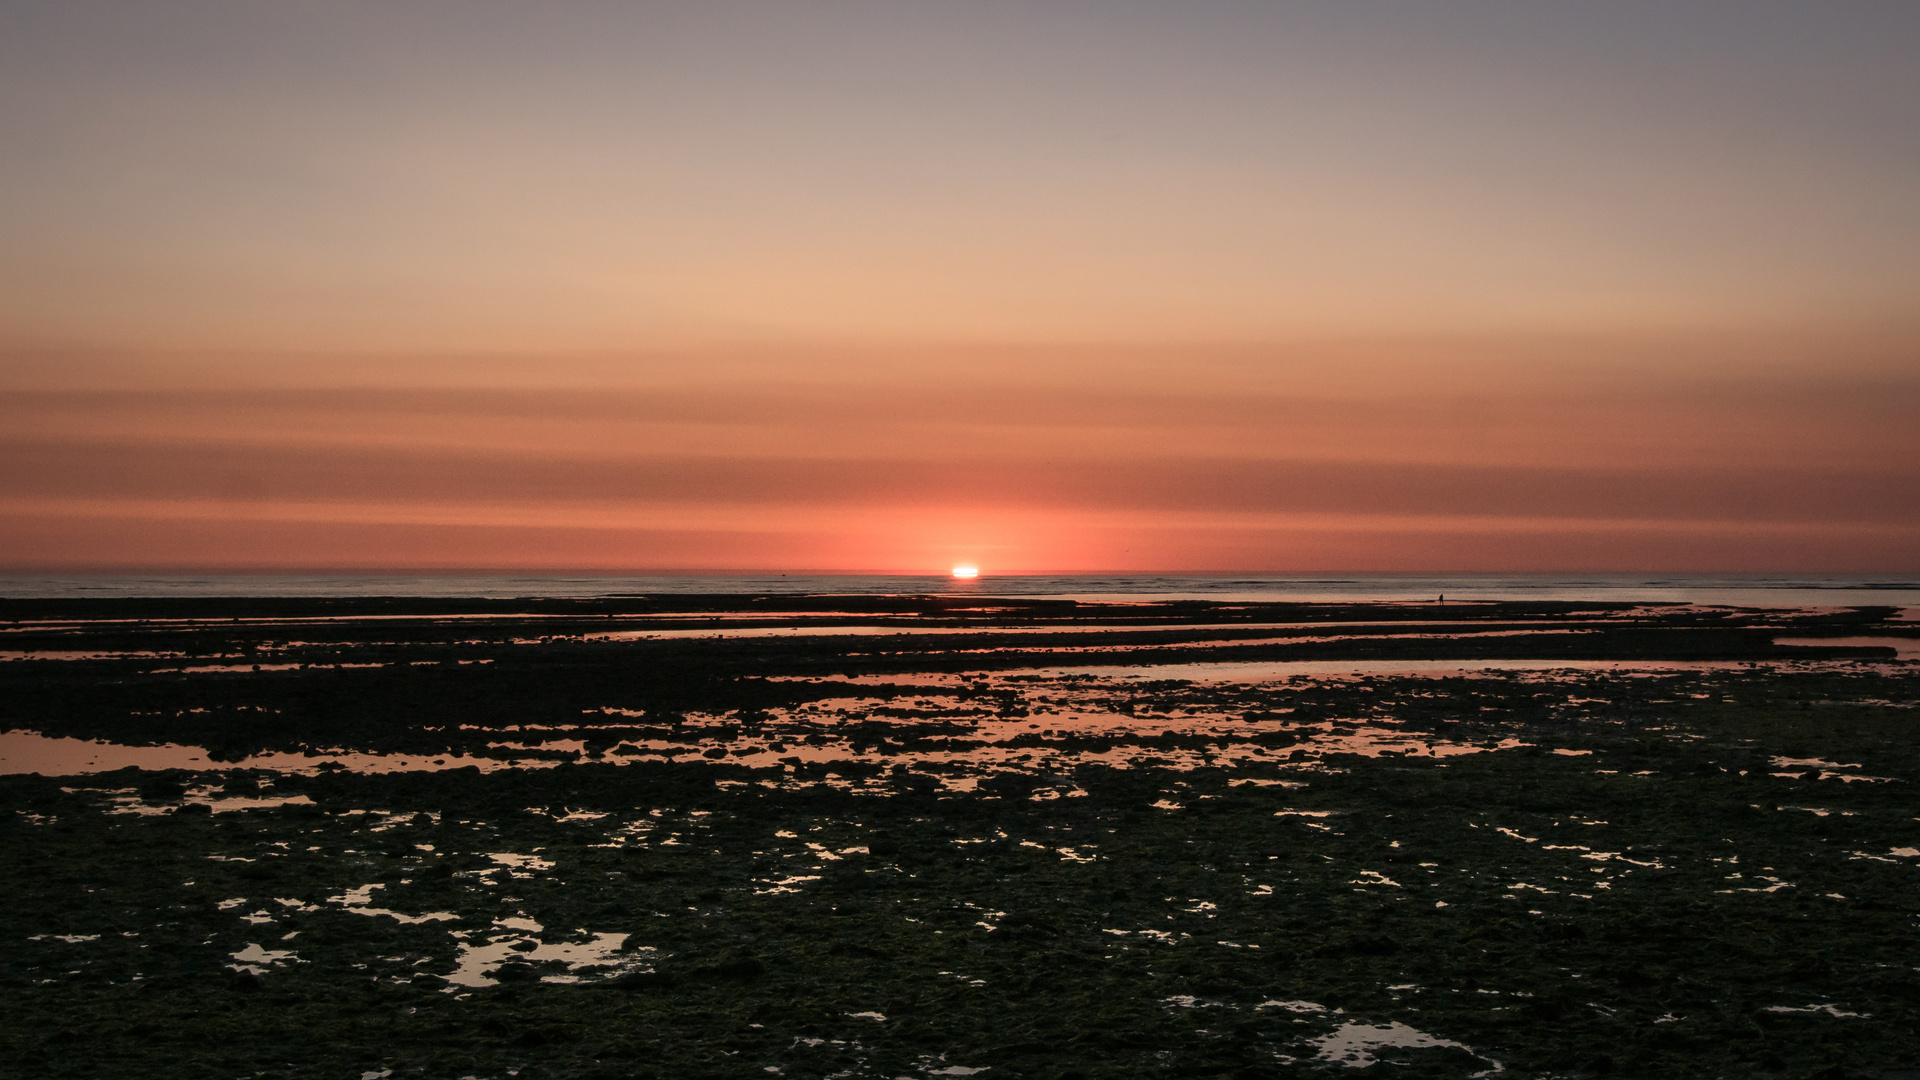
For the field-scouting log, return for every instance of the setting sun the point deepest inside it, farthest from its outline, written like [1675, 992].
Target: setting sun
[966, 571]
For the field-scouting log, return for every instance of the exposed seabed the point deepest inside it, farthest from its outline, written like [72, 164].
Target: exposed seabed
[905, 836]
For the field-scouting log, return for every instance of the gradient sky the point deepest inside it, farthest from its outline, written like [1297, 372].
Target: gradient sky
[888, 286]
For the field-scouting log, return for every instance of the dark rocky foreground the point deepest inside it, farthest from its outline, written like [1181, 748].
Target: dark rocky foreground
[934, 854]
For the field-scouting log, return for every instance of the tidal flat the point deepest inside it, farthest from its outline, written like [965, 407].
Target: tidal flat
[887, 836]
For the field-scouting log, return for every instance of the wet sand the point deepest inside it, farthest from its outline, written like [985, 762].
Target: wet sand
[932, 836]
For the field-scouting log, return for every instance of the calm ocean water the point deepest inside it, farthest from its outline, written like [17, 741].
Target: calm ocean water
[1744, 590]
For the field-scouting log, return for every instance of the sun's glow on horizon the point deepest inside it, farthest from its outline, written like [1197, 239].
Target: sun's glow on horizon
[966, 571]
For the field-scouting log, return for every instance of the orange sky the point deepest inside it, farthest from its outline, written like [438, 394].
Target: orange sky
[1045, 287]
[1393, 456]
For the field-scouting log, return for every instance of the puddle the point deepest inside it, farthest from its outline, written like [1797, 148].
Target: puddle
[1293, 1006]
[516, 945]
[129, 801]
[1828, 1010]
[1234, 671]
[1825, 770]
[521, 866]
[1353, 1043]
[790, 883]
[30, 752]
[260, 960]
[1905, 648]
[10, 655]
[230, 804]
[358, 902]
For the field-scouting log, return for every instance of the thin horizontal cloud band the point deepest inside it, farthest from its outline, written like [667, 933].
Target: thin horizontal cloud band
[153, 474]
[750, 518]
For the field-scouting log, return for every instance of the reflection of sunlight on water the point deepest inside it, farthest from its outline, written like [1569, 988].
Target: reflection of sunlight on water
[28, 752]
[1229, 671]
[257, 960]
[1247, 633]
[1353, 1043]
[85, 654]
[1060, 720]
[31, 752]
[518, 941]
[359, 900]
[1905, 648]
[950, 730]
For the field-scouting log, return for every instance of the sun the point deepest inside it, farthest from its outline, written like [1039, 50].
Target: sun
[966, 571]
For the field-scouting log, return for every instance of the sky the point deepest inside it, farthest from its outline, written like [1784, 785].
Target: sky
[1043, 286]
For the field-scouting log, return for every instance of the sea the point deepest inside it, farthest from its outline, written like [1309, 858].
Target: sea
[1749, 590]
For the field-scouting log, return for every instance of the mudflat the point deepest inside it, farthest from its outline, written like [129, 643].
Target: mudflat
[890, 836]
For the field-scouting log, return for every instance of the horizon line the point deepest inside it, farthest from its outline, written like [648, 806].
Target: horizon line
[561, 572]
